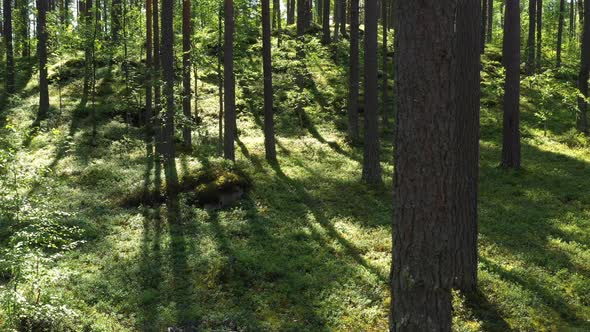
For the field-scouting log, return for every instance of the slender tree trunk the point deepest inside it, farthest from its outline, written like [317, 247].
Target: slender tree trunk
[371, 165]
[42, 36]
[221, 83]
[560, 32]
[353, 92]
[157, 80]
[539, 34]
[148, 64]
[467, 103]
[572, 5]
[342, 6]
[24, 28]
[89, 43]
[229, 83]
[326, 22]
[269, 135]
[511, 56]
[490, 25]
[336, 20]
[279, 23]
[385, 85]
[584, 68]
[425, 142]
[484, 22]
[116, 19]
[168, 75]
[186, 71]
[8, 47]
[530, 63]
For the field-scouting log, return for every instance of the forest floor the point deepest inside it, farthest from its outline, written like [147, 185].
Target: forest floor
[308, 249]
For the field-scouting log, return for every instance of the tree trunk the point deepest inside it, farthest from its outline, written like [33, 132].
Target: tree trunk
[23, 32]
[539, 34]
[467, 80]
[511, 56]
[490, 25]
[353, 92]
[484, 22]
[301, 5]
[220, 79]
[157, 80]
[115, 19]
[530, 63]
[42, 36]
[342, 5]
[384, 87]
[290, 12]
[89, 43]
[8, 47]
[269, 136]
[186, 71]
[168, 76]
[560, 32]
[148, 64]
[371, 166]
[326, 22]
[229, 83]
[572, 5]
[425, 166]
[584, 68]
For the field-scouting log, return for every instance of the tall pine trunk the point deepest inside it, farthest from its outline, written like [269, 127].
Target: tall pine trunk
[229, 83]
[326, 22]
[530, 48]
[353, 86]
[560, 32]
[269, 136]
[425, 142]
[511, 59]
[384, 86]
[484, 22]
[490, 25]
[8, 46]
[42, 36]
[584, 71]
[148, 64]
[539, 48]
[157, 80]
[186, 71]
[371, 165]
[467, 80]
[168, 76]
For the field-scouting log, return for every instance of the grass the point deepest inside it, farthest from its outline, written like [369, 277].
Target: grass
[309, 247]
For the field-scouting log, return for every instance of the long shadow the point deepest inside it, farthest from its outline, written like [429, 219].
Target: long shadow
[521, 213]
[486, 312]
[316, 210]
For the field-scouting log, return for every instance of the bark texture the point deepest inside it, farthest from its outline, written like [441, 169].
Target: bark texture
[269, 135]
[229, 84]
[353, 89]
[584, 71]
[42, 36]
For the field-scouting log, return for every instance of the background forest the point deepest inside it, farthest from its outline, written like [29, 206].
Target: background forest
[228, 166]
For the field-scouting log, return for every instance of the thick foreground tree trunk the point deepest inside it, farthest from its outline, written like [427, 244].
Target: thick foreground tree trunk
[425, 166]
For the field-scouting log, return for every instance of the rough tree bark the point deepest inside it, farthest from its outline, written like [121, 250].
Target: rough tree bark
[467, 103]
[490, 25]
[384, 87]
[511, 56]
[229, 83]
[425, 165]
[484, 22]
[149, 68]
[157, 80]
[371, 166]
